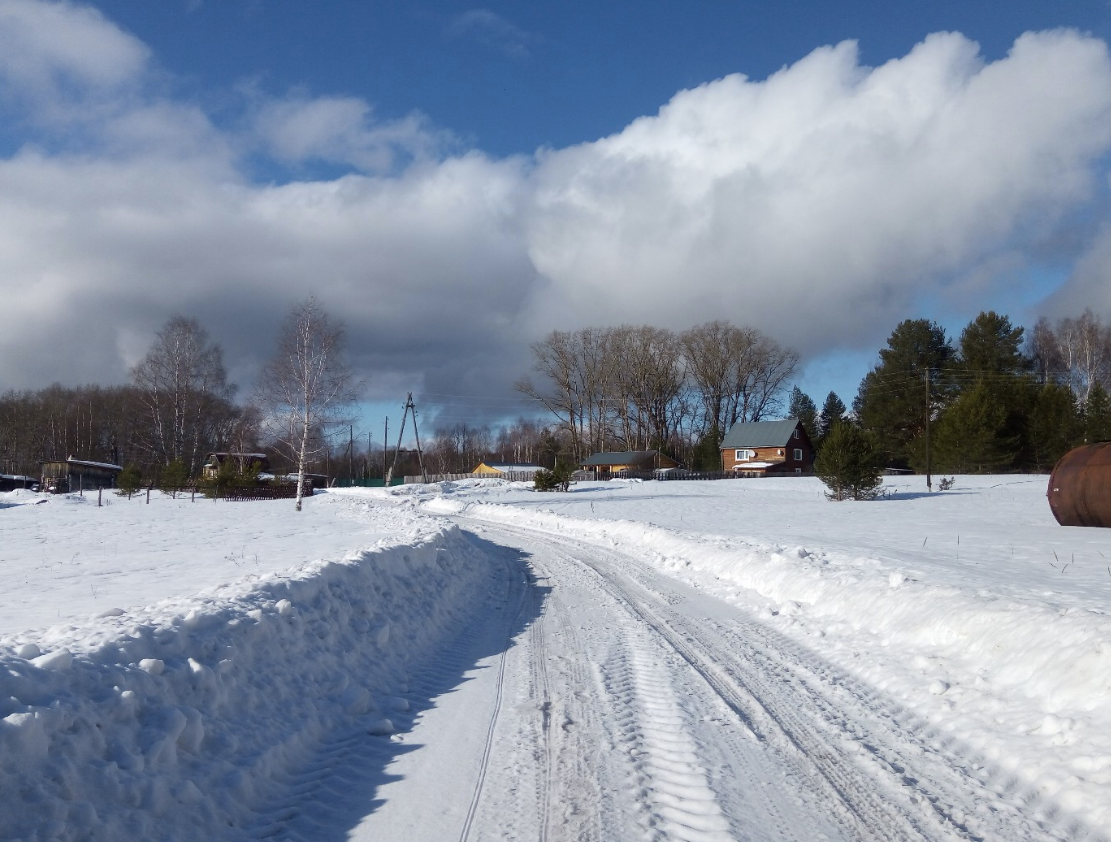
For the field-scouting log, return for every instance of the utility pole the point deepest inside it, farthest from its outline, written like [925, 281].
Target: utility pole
[929, 479]
[385, 447]
[409, 407]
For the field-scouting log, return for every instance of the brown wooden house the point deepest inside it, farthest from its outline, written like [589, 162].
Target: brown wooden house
[767, 448]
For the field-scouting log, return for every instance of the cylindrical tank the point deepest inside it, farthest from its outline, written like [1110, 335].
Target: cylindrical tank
[1080, 486]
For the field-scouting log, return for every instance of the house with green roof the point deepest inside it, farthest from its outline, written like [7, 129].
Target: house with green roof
[767, 448]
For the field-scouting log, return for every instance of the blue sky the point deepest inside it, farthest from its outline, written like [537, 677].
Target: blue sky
[456, 180]
[511, 77]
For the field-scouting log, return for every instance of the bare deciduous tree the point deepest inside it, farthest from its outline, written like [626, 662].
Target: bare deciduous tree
[306, 386]
[1074, 352]
[183, 385]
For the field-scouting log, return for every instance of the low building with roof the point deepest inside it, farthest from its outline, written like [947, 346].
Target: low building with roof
[67, 475]
[13, 482]
[627, 462]
[506, 470]
[766, 448]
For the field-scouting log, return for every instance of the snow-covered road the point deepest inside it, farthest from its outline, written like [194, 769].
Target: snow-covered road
[628, 706]
[472, 661]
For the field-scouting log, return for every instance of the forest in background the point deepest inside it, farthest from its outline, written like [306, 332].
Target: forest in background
[996, 399]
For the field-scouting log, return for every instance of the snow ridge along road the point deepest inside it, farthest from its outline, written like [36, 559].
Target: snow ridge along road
[704, 724]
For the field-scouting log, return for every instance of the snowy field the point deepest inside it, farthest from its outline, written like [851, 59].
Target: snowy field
[165, 667]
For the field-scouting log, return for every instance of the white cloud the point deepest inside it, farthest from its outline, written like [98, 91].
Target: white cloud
[820, 204]
[492, 30]
[56, 55]
[826, 198]
[340, 130]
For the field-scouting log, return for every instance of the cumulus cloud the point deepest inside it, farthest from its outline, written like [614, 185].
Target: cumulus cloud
[828, 197]
[821, 204]
[56, 57]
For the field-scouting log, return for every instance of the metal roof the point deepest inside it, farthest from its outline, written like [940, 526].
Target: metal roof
[759, 434]
[624, 457]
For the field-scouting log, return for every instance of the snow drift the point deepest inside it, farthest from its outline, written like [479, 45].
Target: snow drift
[173, 721]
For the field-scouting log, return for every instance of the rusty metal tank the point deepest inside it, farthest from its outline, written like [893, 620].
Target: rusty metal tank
[1080, 486]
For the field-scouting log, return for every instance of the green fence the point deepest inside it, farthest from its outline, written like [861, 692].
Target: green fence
[366, 483]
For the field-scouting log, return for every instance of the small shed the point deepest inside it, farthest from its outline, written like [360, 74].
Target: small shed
[626, 462]
[244, 462]
[64, 476]
[507, 470]
[766, 448]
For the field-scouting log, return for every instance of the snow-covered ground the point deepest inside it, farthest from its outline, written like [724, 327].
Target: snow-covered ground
[179, 668]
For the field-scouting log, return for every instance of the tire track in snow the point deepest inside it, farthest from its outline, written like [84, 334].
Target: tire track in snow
[517, 591]
[651, 769]
[849, 792]
[671, 779]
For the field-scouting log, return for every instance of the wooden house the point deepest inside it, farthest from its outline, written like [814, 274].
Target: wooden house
[627, 462]
[64, 476]
[767, 448]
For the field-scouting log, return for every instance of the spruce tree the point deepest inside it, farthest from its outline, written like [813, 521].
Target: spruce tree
[1055, 426]
[833, 412]
[803, 408]
[1097, 415]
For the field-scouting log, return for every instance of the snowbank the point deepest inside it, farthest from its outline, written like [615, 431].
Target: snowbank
[173, 721]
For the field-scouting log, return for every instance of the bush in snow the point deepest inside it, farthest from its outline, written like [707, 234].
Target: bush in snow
[850, 464]
[557, 479]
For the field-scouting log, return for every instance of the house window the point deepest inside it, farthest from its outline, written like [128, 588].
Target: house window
[795, 433]
[744, 455]
[798, 454]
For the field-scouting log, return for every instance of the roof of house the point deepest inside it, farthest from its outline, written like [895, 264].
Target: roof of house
[509, 467]
[759, 433]
[84, 463]
[624, 457]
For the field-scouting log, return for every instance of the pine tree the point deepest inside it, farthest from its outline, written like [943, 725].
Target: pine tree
[849, 464]
[896, 397]
[973, 437]
[129, 480]
[173, 477]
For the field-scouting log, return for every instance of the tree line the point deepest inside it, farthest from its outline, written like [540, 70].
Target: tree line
[998, 400]
[179, 406]
[649, 388]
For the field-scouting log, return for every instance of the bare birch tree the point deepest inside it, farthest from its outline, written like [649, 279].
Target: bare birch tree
[183, 385]
[306, 386]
